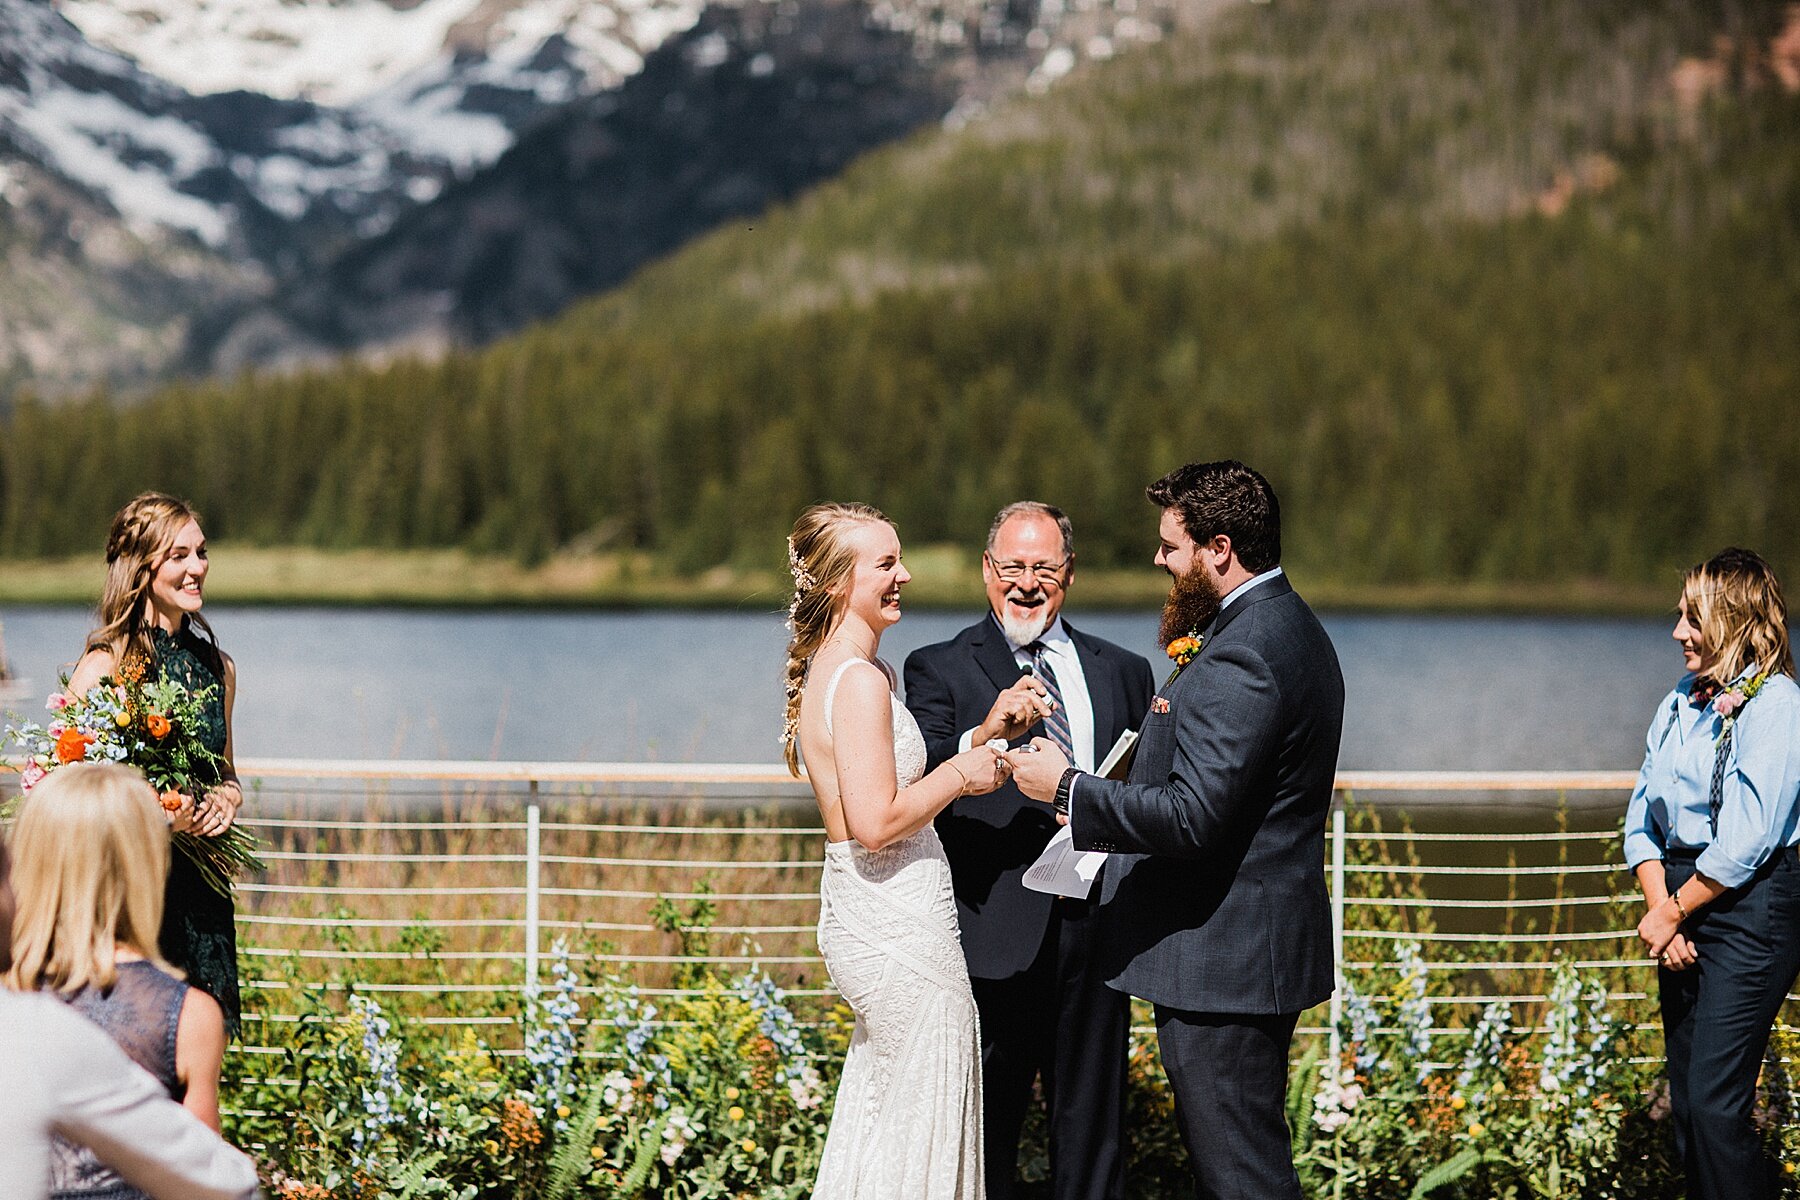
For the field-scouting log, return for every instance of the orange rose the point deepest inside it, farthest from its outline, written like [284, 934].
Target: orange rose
[72, 745]
[157, 724]
[171, 800]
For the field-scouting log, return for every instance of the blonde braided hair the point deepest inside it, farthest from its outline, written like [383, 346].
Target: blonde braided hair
[821, 559]
[137, 542]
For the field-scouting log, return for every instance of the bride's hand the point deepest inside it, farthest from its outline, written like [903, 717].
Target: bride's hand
[982, 768]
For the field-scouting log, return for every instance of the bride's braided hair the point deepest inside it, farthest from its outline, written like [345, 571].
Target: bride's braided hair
[821, 559]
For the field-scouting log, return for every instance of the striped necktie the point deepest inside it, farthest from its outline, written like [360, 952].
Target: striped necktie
[1057, 723]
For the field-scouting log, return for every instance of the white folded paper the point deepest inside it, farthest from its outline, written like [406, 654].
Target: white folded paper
[1062, 870]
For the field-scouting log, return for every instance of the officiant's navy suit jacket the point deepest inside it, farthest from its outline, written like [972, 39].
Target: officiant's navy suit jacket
[991, 840]
[1215, 900]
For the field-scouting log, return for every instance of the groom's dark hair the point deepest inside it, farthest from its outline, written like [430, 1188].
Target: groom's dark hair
[1229, 498]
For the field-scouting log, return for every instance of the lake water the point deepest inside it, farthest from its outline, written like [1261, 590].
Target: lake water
[1424, 692]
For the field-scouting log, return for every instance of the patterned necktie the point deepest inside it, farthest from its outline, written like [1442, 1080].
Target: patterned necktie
[1716, 798]
[1057, 723]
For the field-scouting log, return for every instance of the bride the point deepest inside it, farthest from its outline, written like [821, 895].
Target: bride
[907, 1123]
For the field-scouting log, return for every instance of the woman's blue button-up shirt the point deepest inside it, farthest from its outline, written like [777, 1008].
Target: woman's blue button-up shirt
[1671, 805]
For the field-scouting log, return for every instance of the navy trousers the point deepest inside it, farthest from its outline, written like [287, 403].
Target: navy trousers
[1229, 1072]
[1059, 1021]
[1717, 1015]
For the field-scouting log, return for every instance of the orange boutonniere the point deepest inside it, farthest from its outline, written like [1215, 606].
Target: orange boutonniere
[1183, 649]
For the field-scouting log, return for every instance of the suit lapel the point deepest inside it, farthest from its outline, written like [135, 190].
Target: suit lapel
[994, 655]
[1266, 590]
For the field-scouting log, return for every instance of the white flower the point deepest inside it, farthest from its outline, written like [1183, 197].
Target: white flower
[1338, 1094]
[677, 1131]
[617, 1092]
[807, 1089]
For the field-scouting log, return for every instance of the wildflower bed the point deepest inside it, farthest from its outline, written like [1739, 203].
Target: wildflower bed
[1497, 1035]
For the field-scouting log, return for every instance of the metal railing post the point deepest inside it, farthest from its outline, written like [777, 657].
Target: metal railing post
[532, 894]
[1337, 928]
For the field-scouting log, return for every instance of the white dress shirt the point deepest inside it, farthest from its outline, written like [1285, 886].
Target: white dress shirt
[1245, 586]
[61, 1075]
[1071, 681]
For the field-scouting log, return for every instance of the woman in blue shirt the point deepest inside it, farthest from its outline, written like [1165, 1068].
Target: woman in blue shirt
[1710, 833]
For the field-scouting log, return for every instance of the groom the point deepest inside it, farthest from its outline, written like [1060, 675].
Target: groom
[1215, 907]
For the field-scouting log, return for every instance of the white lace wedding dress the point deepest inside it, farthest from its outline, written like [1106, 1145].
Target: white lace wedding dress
[907, 1124]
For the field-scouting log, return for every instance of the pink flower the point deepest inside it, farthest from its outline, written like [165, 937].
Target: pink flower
[1728, 703]
[58, 701]
[1659, 1100]
[31, 776]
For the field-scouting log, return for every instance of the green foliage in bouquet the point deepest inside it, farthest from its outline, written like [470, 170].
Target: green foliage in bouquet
[154, 727]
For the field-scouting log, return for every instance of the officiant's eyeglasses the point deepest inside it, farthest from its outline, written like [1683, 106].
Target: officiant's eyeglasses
[1013, 572]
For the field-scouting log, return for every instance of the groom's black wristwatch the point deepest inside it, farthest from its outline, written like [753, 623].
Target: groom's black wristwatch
[1060, 802]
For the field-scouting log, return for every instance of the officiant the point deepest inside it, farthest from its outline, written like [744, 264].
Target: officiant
[1022, 671]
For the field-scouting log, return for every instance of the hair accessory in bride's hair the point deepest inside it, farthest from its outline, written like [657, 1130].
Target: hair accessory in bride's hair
[803, 578]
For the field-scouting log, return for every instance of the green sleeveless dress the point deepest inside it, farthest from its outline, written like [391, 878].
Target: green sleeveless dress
[199, 929]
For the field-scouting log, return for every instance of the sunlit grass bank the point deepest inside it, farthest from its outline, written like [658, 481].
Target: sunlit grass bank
[944, 576]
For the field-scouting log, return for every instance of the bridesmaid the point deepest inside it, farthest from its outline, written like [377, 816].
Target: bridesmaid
[1710, 833]
[150, 617]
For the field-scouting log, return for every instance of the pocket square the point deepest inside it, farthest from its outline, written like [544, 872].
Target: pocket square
[1159, 705]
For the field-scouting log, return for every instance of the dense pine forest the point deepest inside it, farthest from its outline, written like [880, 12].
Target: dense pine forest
[1491, 290]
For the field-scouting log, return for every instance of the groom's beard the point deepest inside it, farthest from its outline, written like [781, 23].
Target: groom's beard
[1194, 600]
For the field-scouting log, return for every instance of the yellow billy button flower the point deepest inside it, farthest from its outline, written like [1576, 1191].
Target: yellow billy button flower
[122, 720]
[491, 1146]
[598, 1152]
[735, 1113]
[562, 1110]
[748, 1145]
[732, 1093]
[1458, 1103]
[1476, 1129]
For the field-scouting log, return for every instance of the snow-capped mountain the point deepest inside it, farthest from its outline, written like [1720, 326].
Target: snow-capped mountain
[279, 150]
[448, 79]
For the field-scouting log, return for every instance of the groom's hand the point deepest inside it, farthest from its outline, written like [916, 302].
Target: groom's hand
[1038, 768]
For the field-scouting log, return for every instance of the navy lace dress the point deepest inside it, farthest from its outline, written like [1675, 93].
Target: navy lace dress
[199, 929]
[141, 1012]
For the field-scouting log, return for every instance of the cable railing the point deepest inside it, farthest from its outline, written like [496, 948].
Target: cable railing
[434, 882]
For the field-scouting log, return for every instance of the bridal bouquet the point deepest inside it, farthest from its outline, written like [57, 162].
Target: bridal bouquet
[150, 726]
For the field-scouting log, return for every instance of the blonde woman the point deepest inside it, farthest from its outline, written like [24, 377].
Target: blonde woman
[149, 620]
[91, 852]
[62, 1077]
[907, 1124]
[1710, 833]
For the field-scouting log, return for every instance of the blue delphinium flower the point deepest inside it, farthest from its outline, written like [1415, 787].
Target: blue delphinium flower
[1562, 1024]
[1487, 1045]
[775, 1021]
[1359, 1014]
[550, 1040]
[1414, 1014]
[382, 1096]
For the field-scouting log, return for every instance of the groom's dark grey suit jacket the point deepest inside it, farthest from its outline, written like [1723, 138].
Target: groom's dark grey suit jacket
[1216, 900]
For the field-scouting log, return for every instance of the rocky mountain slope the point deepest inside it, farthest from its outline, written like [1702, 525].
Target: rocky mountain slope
[284, 179]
